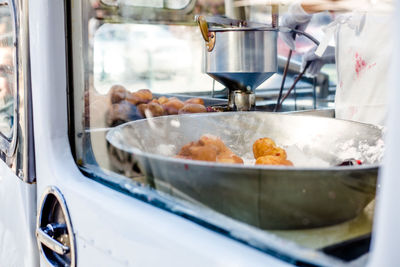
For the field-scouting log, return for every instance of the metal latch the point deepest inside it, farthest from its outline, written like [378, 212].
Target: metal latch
[46, 236]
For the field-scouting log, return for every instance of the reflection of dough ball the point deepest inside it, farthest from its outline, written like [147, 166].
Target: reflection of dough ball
[151, 110]
[205, 153]
[192, 108]
[262, 147]
[163, 100]
[195, 101]
[142, 96]
[141, 108]
[229, 158]
[156, 109]
[117, 93]
[211, 140]
[185, 150]
[209, 148]
[273, 160]
[173, 106]
[121, 112]
[133, 99]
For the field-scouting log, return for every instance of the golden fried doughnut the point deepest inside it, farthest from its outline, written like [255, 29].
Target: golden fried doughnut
[277, 151]
[273, 160]
[117, 93]
[192, 108]
[195, 101]
[263, 147]
[173, 106]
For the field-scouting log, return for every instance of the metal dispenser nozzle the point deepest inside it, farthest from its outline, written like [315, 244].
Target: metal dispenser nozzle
[240, 56]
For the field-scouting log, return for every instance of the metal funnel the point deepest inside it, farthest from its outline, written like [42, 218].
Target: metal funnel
[241, 59]
[244, 81]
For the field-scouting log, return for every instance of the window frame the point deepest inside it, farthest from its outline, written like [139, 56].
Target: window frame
[77, 44]
[138, 13]
[182, 9]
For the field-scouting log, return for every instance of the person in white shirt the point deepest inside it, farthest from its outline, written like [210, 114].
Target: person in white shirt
[362, 54]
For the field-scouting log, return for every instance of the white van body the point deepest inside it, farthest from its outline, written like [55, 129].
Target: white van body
[134, 233]
[109, 227]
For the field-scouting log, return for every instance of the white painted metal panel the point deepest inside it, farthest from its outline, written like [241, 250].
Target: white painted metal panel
[111, 229]
[17, 220]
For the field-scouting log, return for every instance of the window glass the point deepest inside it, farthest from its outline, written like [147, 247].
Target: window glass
[164, 105]
[7, 71]
[161, 57]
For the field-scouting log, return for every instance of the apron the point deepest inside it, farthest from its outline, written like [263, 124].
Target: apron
[363, 53]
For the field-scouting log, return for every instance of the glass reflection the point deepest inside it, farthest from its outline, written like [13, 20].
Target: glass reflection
[7, 75]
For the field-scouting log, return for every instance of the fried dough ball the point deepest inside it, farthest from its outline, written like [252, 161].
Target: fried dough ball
[266, 152]
[273, 160]
[151, 110]
[192, 108]
[209, 148]
[262, 147]
[117, 93]
[195, 101]
[162, 100]
[266, 146]
[277, 151]
[173, 106]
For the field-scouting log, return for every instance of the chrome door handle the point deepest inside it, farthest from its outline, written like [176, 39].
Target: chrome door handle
[44, 235]
[54, 233]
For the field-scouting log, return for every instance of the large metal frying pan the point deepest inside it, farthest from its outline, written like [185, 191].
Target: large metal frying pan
[269, 197]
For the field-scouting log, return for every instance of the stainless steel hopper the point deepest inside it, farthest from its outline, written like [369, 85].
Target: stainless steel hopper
[240, 57]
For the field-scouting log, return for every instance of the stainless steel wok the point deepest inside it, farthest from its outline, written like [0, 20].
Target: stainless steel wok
[269, 197]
